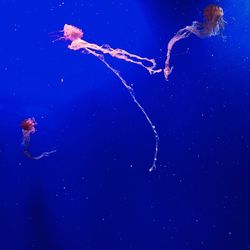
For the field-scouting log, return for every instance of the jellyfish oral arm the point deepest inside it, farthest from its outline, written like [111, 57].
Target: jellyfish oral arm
[116, 53]
[181, 34]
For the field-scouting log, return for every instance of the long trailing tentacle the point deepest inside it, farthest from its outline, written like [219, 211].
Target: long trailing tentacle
[130, 90]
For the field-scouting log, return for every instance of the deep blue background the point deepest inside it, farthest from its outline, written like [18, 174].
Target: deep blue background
[96, 191]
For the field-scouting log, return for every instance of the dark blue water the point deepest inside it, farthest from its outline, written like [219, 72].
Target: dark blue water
[96, 191]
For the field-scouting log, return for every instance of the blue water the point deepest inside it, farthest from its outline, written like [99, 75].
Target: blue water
[96, 192]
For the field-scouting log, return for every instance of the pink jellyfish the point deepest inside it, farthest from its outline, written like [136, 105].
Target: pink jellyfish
[212, 26]
[28, 128]
[75, 35]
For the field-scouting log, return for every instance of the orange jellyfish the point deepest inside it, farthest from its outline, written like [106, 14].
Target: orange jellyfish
[213, 25]
[28, 128]
[75, 35]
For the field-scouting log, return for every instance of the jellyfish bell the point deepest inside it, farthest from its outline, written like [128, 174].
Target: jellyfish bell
[213, 20]
[28, 124]
[213, 12]
[72, 33]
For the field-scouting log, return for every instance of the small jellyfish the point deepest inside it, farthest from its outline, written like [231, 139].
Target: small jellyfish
[28, 128]
[212, 25]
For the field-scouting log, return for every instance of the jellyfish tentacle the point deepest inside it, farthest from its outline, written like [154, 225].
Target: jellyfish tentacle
[131, 91]
[44, 154]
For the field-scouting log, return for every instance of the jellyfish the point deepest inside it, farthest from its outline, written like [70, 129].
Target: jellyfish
[28, 128]
[75, 35]
[213, 25]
